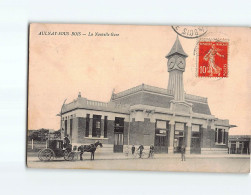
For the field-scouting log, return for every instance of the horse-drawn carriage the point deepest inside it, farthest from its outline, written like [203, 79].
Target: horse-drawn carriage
[56, 149]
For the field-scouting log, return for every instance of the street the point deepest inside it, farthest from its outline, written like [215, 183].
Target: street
[192, 164]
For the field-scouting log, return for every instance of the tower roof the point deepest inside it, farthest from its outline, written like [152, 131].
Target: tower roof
[176, 49]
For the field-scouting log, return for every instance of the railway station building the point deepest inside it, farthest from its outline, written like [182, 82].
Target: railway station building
[239, 144]
[148, 115]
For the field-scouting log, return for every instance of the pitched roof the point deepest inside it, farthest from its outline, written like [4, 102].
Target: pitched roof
[158, 97]
[176, 49]
[142, 94]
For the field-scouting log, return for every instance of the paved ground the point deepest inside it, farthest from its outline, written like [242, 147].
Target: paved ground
[161, 162]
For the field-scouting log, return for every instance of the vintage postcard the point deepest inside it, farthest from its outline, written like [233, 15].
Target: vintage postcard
[135, 97]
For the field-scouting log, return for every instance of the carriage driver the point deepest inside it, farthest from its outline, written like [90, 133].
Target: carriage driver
[66, 141]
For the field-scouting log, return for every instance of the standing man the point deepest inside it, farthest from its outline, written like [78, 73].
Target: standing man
[183, 151]
[151, 151]
[133, 149]
[141, 148]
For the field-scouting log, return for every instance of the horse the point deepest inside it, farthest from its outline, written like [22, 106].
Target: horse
[89, 148]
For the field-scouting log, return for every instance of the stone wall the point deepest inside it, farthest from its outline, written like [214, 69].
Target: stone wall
[110, 131]
[142, 132]
[81, 129]
[75, 130]
[208, 145]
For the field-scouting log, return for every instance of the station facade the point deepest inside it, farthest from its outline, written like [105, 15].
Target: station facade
[148, 115]
[239, 144]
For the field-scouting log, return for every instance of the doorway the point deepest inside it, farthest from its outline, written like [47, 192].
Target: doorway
[177, 143]
[195, 140]
[118, 142]
[179, 137]
[160, 144]
[161, 136]
[118, 135]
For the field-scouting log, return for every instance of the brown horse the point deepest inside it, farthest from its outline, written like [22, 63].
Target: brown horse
[89, 148]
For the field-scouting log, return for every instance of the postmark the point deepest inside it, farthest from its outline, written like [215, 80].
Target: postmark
[212, 59]
[190, 32]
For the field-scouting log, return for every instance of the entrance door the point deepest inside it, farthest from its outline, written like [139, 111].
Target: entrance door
[118, 134]
[161, 135]
[160, 144]
[179, 137]
[195, 146]
[178, 142]
[118, 142]
[195, 140]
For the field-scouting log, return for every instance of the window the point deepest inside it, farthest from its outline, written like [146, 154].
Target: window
[96, 130]
[179, 130]
[161, 124]
[119, 125]
[180, 126]
[98, 124]
[195, 131]
[220, 136]
[161, 128]
[195, 128]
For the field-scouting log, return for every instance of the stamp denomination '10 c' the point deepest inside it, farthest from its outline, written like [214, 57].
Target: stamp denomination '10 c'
[213, 59]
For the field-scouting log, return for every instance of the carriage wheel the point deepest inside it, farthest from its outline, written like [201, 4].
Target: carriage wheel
[46, 154]
[39, 156]
[71, 156]
[66, 153]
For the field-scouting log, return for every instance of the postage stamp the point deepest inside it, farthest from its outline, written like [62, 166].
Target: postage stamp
[212, 58]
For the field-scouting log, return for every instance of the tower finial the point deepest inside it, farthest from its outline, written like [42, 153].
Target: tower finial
[79, 94]
[176, 49]
[113, 94]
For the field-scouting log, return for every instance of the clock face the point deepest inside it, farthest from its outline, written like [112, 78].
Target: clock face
[181, 62]
[171, 62]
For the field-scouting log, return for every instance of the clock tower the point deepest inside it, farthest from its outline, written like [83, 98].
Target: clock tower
[176, 66]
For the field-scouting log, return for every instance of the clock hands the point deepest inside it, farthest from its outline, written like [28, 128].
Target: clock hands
[180, 63]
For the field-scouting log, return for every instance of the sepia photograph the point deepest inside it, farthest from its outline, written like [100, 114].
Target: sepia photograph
[125, 97]
[140, 98]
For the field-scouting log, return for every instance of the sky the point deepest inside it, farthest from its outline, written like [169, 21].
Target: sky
[61, 66]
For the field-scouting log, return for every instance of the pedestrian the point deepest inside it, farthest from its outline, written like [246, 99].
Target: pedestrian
[151, 151]
[133, 149]
[183, 151]
[141, 148]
